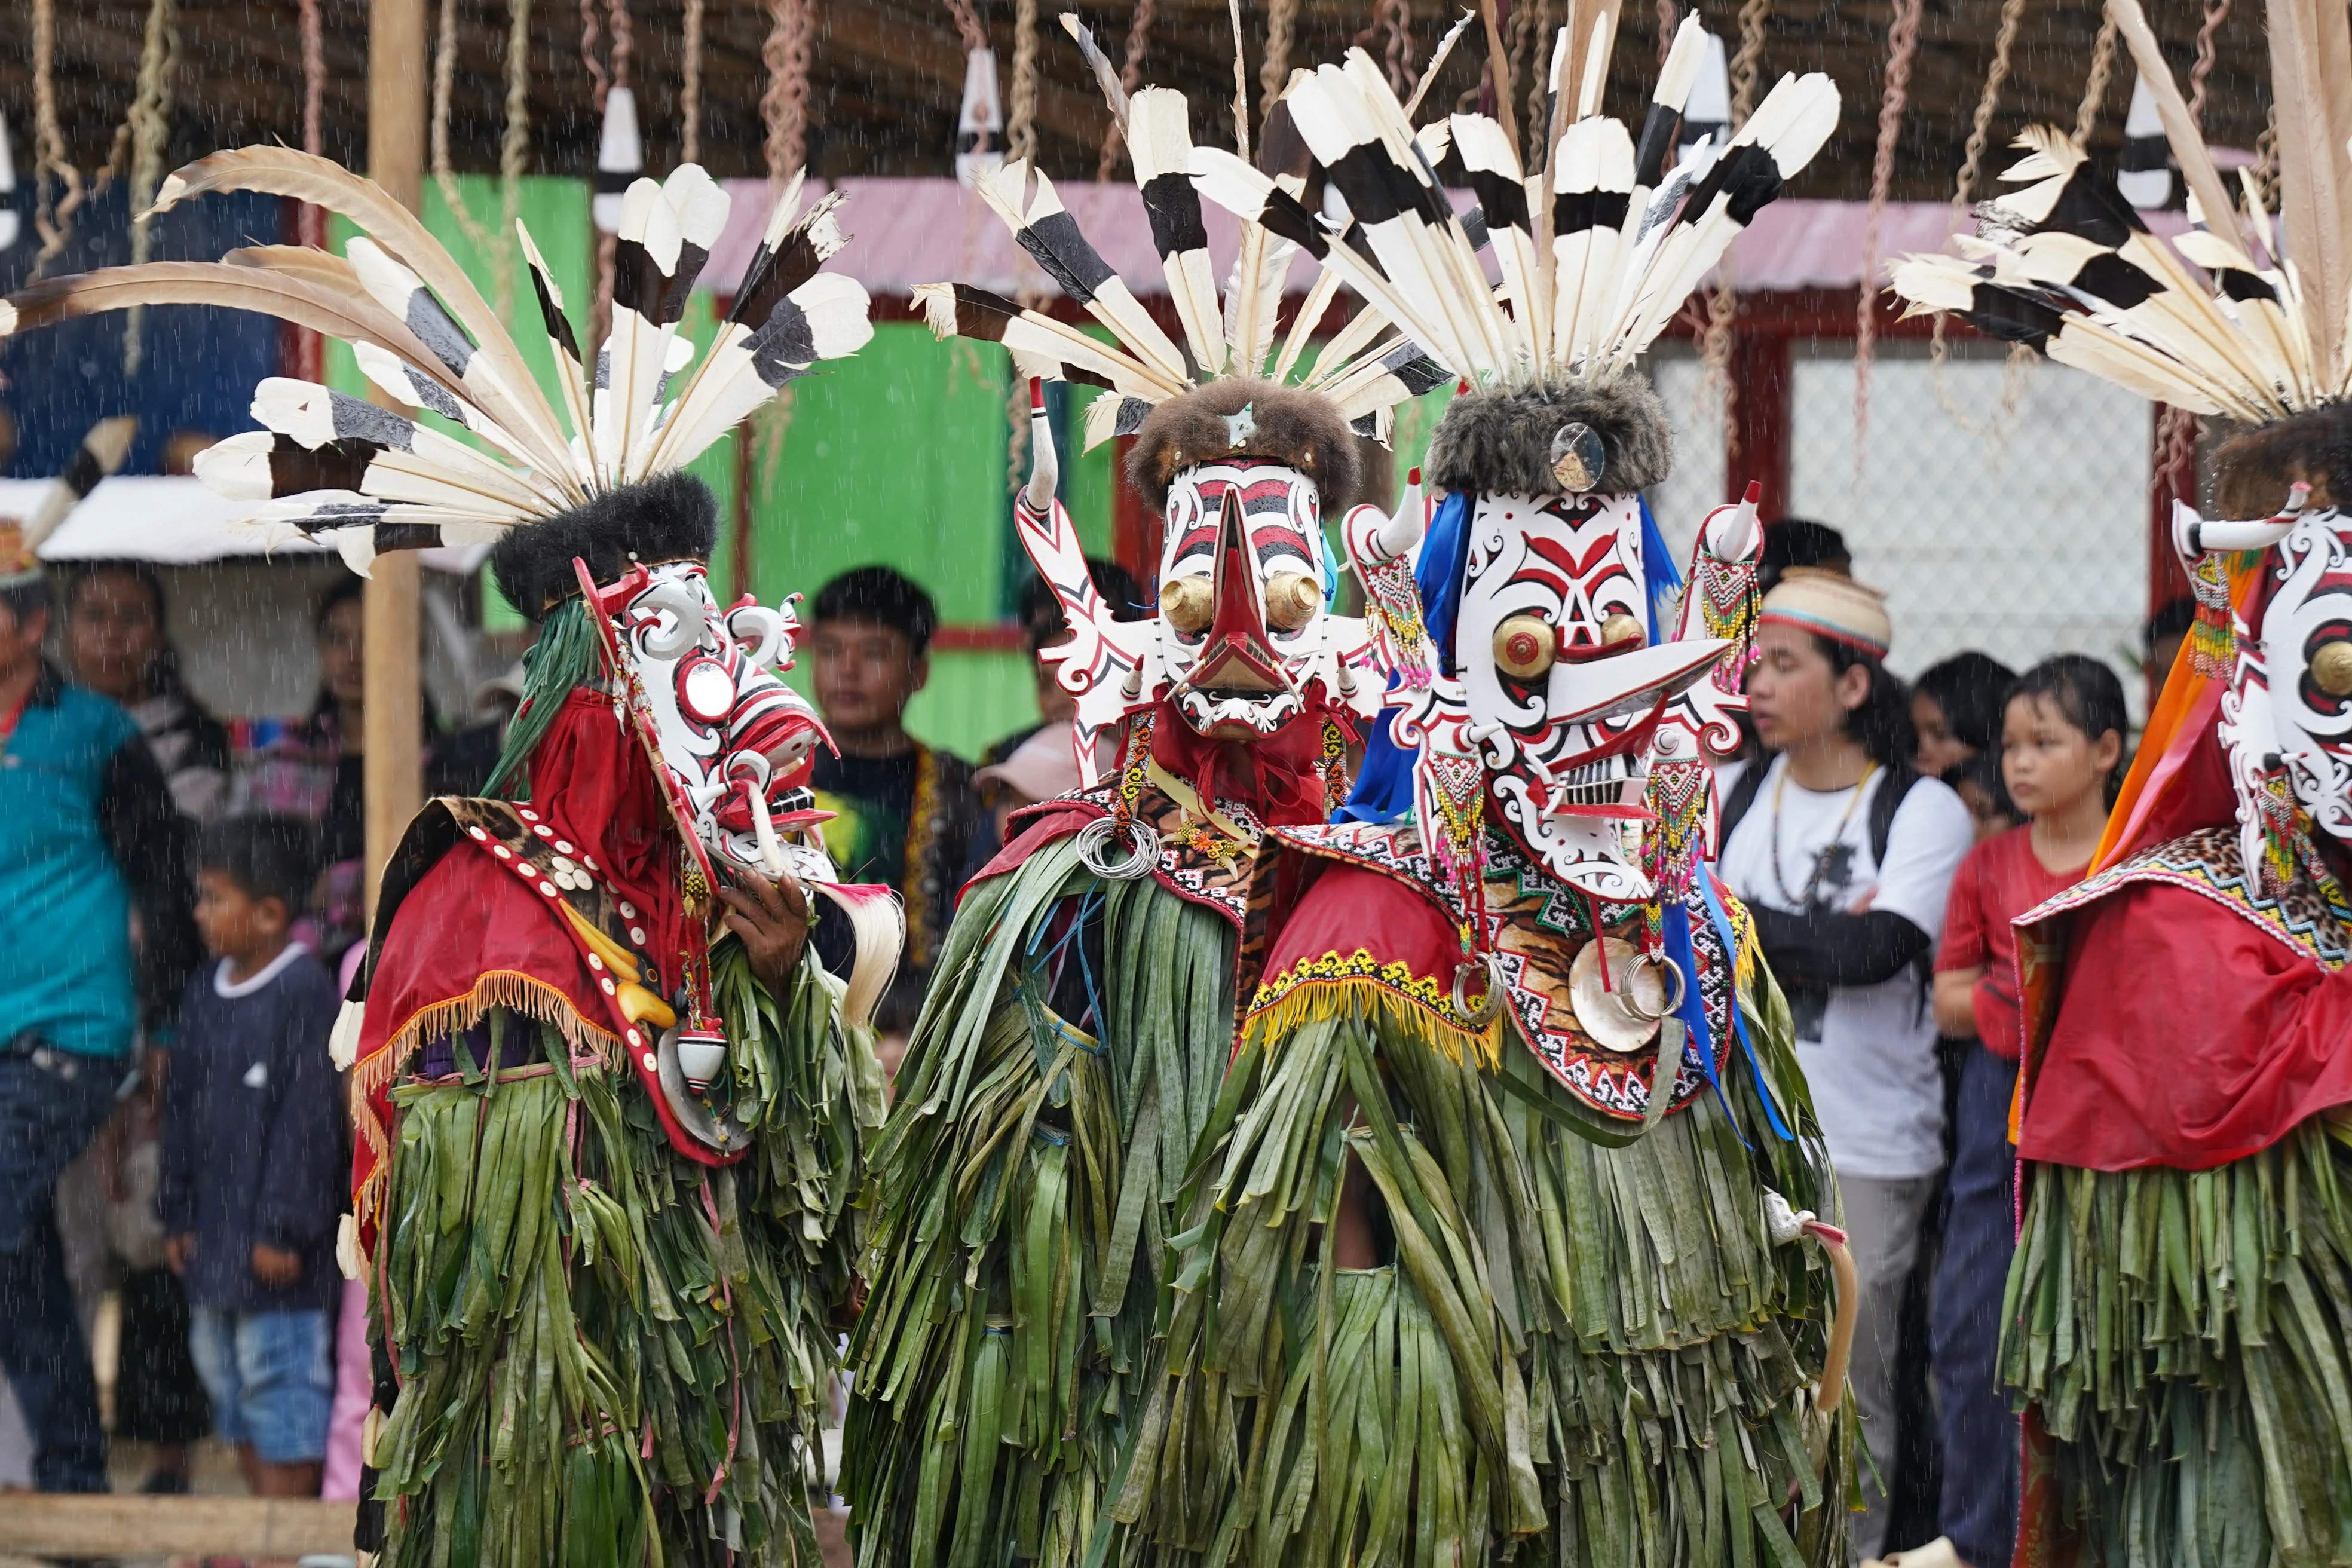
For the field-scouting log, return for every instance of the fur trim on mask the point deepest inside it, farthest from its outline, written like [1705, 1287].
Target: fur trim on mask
[1498, 442]
[1301, 428]
[668, 518]
[2253, 467]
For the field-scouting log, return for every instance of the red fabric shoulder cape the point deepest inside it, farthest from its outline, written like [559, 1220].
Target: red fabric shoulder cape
[2185, 1037]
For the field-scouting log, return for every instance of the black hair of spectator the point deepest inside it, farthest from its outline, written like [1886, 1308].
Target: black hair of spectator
[1800, 541]
[2091, 698]
[880, 595]
[1983, 770]
[343, 590]
[2172, 619]
[1883, 723]
[164, 675]
[26, 599]
[1971, 688]
[142, 572]
[1039, 613]
[267, 857]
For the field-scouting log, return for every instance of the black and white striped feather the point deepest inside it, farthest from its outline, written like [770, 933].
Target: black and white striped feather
[372, 478]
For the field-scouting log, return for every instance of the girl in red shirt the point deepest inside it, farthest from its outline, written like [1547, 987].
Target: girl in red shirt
[2062, 757]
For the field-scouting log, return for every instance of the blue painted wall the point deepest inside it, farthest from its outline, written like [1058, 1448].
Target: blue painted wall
[200, 364]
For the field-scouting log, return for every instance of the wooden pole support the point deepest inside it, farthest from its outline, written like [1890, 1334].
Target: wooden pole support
[60, 1525]
[394, 770]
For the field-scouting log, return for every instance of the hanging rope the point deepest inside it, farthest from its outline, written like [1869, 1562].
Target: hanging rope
[1130, 73]
[2011, 402]
[624, 39]
[784, 112]
[52, 212]
[486, 246]
[2267, 166]
[1723, 300]
[2216, 11]
[1240, 80]
[2095, 91]
[689, 86]
[967, 21]
[1902, 44]
[1281, 22]
[1396, 15]
[784, 106]
[514, 147]
[1532, 24]
[600, 80]
[314, 92]
[1021, 114]
[148, 129]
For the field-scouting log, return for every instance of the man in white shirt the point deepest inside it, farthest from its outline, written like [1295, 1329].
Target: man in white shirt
[1845, 858]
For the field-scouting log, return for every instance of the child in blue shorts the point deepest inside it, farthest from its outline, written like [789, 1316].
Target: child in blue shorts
[254, 1159]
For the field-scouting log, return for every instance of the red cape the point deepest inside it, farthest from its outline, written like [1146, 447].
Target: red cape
[2186, 1037]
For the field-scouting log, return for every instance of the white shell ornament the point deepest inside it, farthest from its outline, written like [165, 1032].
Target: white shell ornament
[1621, 1015]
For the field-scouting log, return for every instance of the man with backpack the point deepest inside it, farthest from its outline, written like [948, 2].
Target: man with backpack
[1845, 856]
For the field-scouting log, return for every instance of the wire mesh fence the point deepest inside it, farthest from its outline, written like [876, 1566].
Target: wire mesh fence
[2000, 510]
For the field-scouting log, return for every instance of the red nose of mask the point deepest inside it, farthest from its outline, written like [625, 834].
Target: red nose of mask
[1238, 657]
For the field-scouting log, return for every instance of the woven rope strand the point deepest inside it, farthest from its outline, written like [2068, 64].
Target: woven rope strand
[689, 86]
[1901, 45]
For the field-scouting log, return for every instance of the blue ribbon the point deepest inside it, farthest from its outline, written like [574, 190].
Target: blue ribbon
[1657, 571]
[1722, 923]
[1437, 574]
[1383, 790]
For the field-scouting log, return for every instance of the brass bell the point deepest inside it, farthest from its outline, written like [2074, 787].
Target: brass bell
[1292, 599]
[2331, 667]
[1578, 460]
[1188, 604]
[1525, 647]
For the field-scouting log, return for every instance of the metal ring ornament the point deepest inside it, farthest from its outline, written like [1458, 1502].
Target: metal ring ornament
[1665, 965]
[1143, 848]
[1489, 1007]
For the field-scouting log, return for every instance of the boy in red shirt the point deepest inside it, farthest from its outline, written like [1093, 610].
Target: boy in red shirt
[2062, 758]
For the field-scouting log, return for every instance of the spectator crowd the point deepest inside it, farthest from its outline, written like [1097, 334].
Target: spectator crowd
[181, 912]
[1884, 837]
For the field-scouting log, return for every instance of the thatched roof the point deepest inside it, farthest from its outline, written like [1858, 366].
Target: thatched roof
[886, 78]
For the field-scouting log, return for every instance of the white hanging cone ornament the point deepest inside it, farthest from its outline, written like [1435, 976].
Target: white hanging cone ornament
[620, 155]
[979, 125]
[10, 224]
[1708, 113]
[2144, 173]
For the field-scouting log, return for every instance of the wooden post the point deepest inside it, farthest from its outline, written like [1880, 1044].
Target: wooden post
[394, 771]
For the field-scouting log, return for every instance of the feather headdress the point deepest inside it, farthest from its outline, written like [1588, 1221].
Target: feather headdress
[2219, 321]
[371, 479]
[1596, 250]
[1362, 375]
[101, 453]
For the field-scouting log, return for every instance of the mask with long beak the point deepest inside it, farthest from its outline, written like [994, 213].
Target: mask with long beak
[1244, 643]
[731, 741]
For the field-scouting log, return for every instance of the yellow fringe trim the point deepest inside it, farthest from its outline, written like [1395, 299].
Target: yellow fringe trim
[507, 989]
[1332, 986]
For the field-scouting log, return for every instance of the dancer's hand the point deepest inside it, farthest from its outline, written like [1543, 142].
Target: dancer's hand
[771, 922]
